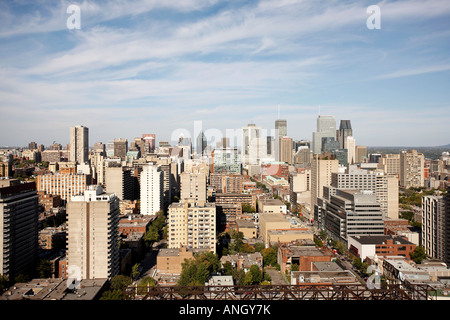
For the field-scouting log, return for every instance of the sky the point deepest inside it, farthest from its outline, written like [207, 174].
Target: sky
[166, 66]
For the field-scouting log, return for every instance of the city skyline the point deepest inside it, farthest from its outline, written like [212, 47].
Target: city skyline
[155, 67]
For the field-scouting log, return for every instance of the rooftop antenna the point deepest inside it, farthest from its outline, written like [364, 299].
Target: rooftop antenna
[278, 111]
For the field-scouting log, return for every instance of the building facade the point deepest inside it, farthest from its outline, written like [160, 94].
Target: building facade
[19, 214]
[192, 225]
[151, 189]
[92, 234]
[79, 144]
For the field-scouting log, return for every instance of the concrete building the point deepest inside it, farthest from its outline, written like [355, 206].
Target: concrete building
[352, 213]
[121, 148]
[383, 185]
[92, 234]
[19, 214]
[390, 164]
[272, 206]
[360, 154]
[286, 150]
[433, 226]
[119, 180]
[227, 183]
[351, 150]
[412, 166]
[193, 187]
[192, 225]
[300, 188]
[64, 185]
[151, 189]
[322, 167]
[79, 144]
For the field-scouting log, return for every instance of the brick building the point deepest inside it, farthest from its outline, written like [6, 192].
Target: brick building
[303, 256]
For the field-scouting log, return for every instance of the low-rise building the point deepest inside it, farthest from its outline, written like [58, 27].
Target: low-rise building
[303, 256]
[382, 246]
[243, 260]
[169, 261]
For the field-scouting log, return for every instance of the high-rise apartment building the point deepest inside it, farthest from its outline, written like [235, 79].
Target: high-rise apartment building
[79, 144]
[412, 164]
[151, 189]
[64, 185]
[390, 164]
[192, 225]
[433, 226]
[119, 180]
[193, 187]
[19, 213]
[326, 127]
[227, 183]
[93, 234]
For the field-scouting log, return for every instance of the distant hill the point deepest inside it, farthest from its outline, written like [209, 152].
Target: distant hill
[431, 152]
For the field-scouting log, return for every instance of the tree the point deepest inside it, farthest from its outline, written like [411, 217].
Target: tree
[257, 275]
[135, 271]
[196, 271]
[116, 287]
[147, 281]
[120, 282]
[227, 268]
[3, 283]
[44, 269]
[248, 208]
[259, 246]
[269, 257]
[418, 255]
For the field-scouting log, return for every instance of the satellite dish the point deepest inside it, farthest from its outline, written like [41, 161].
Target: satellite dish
[401, 276]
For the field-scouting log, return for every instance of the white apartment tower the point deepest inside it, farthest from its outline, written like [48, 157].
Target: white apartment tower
[92, 234]
[152, 181]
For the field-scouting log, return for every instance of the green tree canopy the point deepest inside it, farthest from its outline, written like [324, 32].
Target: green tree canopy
[418, 255]
[196, 271]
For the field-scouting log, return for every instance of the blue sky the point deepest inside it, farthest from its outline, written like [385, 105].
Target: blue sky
[140, 66]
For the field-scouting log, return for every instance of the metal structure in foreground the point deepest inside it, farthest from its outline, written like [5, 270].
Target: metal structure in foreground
[279, 292]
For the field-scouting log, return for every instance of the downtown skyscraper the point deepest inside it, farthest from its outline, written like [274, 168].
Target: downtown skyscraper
[326, 128]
